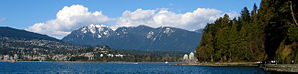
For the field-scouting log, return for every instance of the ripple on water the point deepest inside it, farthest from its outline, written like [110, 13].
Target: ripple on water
[123, 68]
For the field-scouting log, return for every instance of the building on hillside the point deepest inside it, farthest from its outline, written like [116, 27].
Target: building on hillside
[101, 55]
[5, 57]
[119, 55]
[15, 57]
[110, 55]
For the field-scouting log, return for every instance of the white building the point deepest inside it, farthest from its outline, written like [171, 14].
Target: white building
[119, 55]
[110, 55]
[191, 56]
[89, 55]
[190, 59]
[5, 57]
[101, 55]
[15, 57]
[185, 58]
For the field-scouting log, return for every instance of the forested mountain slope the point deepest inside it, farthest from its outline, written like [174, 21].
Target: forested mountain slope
[140, 38]
[267, 33]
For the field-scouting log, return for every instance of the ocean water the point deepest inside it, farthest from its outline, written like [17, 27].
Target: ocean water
[118, 68]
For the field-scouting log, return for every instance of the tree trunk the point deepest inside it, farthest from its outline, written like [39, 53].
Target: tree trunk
[292, 12]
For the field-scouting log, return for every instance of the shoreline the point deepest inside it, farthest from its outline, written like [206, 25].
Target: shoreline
[280, 67]
[91, 61]
[291, 68]
[227, 64]
[288, 68]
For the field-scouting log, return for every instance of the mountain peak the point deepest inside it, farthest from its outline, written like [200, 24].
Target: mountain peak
[168, 30]
[98, 26]
[139, 37]
[95, 28]
[143, 26]
[95, 31]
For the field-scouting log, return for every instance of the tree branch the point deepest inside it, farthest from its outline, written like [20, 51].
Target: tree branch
[292, 12]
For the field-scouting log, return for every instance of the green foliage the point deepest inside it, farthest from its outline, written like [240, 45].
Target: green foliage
[293, 33]
[254, 36]
[229, 39]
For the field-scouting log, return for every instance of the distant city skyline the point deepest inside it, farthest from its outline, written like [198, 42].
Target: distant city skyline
[58, 18]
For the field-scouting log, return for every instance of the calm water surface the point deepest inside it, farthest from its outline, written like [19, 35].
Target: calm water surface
[116, 68]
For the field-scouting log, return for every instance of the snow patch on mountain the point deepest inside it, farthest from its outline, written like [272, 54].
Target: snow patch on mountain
[168, 31]
[101, 27]
[141, 37]
[98, 31]
[150, 34]
[91, 28]
[98, 36]
[84, 30]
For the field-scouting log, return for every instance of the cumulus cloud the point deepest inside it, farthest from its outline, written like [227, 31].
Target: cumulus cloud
[68, 19]
[73, 17]
[162, 17]
[2, 19]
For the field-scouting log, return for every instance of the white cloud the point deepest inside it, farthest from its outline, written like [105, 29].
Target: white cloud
[69, 19]
[138, 17]
[2, 19]
[75, 16]
[162, 17]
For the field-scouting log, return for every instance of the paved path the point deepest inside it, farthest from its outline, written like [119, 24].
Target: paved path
[280, 67]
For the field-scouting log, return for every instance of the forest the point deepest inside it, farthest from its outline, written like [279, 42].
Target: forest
[268, 32]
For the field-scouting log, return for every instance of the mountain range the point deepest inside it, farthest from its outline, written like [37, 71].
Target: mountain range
[22, 45]
[21, 41]
[22, 34]
[139, 38]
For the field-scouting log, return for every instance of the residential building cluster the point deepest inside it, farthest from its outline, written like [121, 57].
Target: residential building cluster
[37, 54]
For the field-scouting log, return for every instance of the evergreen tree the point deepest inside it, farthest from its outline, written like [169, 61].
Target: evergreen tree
[268, 32]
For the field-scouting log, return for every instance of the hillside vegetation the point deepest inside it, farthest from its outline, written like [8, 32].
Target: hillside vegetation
[266, 33]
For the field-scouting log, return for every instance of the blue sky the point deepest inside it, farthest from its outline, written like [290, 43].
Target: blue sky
[22, 14]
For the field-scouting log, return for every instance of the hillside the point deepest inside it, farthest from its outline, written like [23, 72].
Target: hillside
[140, 38]
[22, 34]
[15, 41]
[267, 33]
[21, 45]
